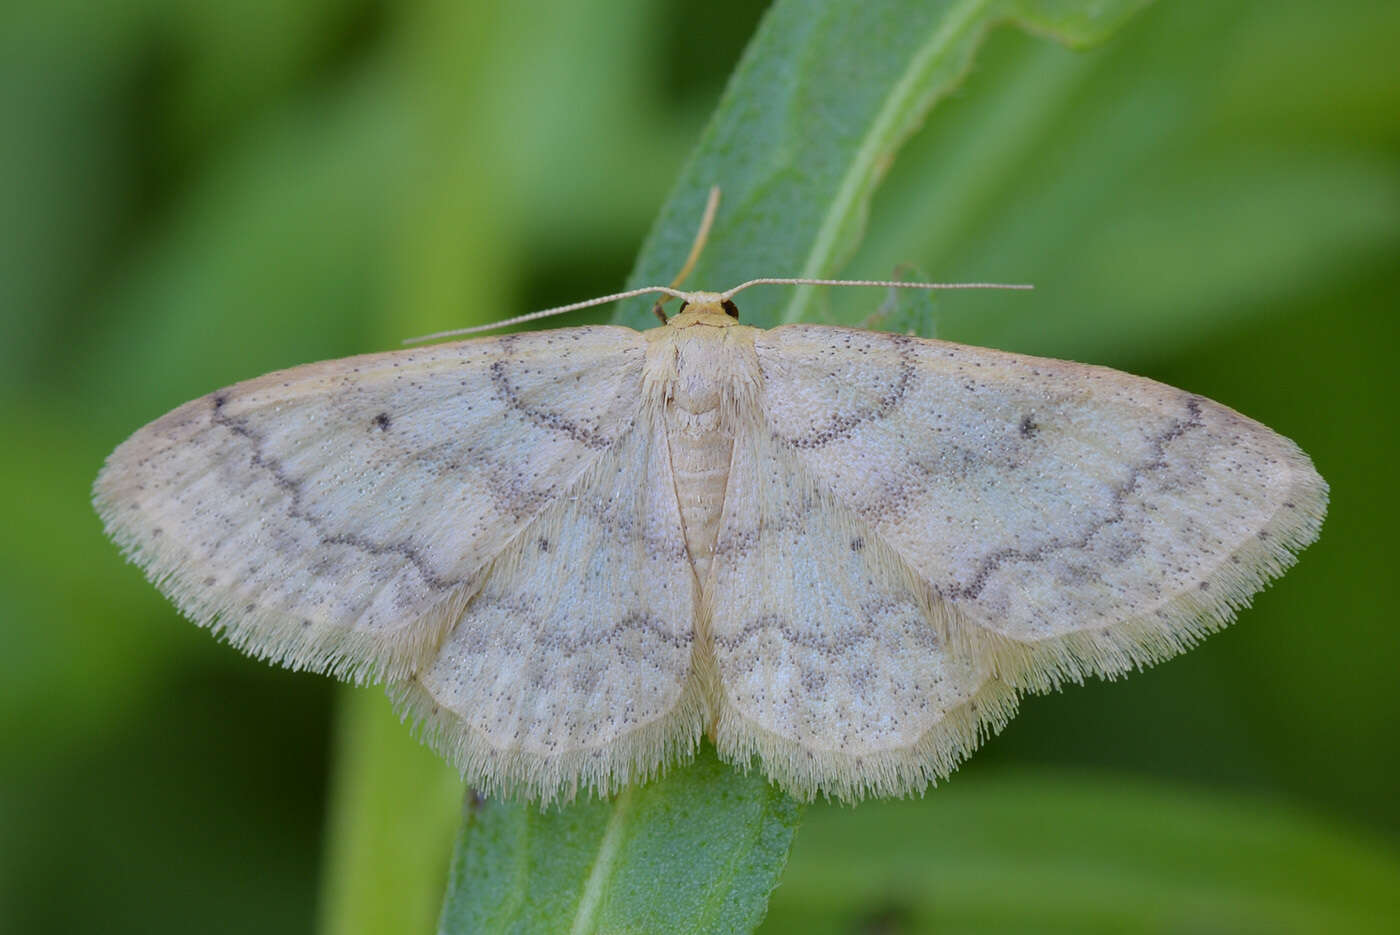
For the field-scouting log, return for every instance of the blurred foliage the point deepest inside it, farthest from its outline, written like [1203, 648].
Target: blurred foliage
[192, 194]
[1043, 851]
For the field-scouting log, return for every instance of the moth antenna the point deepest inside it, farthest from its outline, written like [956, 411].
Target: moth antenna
[545, 313]
[671, 292]
[698, 244]
[887, 283]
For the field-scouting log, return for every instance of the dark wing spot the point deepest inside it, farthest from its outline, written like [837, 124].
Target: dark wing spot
[857, 544]
[382, 422]
[1028, 427]
[544, 544]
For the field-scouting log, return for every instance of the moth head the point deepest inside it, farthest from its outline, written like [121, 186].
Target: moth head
[705, 308]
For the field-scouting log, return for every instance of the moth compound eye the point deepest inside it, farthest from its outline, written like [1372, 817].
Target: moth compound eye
[730, 309]
[684, 306]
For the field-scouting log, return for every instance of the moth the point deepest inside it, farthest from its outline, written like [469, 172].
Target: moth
[571, 554]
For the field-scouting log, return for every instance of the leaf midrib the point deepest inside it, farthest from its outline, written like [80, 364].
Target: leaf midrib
[591, 901]
[854, 182]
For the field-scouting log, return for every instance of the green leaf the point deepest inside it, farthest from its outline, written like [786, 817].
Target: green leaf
[820, 103]
[816, 111]
[1138, 187]
[698, 851]
[1049, 852]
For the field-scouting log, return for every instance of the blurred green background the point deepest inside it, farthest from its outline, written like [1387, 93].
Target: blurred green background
[196, 193]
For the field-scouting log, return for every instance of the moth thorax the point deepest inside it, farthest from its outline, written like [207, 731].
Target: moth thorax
[716, 369]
